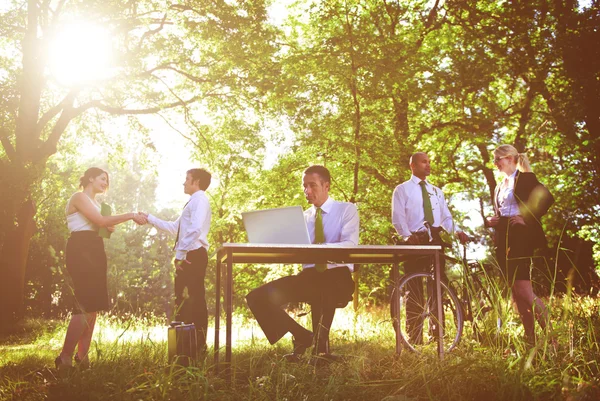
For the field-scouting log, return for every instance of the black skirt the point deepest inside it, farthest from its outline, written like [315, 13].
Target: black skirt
[86, 263]
[514, 248]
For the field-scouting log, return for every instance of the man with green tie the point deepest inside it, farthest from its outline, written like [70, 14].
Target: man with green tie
[325, 287]
[419, 215]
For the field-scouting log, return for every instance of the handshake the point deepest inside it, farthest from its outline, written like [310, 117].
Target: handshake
[140, 218]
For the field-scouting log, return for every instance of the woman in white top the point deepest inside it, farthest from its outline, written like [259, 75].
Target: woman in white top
[520, 201]
[86, 262]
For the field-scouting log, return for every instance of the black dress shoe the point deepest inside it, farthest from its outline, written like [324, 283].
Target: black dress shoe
[300, 347]
[293, 357]
[325, 359]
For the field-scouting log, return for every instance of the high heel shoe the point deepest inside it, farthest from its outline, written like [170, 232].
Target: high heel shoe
[82, 363]
[60, 365]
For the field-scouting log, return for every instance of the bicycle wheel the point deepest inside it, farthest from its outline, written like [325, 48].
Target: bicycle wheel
[417, 303]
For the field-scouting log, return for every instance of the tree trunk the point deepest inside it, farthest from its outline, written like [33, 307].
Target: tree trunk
[13, 259]
[20, 171]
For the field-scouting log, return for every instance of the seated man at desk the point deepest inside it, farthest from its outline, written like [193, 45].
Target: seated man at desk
[324, 286]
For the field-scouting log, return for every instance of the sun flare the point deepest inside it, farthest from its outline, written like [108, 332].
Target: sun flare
[80, 53]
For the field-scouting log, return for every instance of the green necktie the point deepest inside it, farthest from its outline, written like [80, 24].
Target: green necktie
[319, 237]
[426, 204]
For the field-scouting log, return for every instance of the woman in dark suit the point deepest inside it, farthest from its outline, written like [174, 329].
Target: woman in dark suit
[86, 263]
[520, 201]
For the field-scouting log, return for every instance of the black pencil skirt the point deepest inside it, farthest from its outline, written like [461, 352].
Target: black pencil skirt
[86, 263]
[514, 249]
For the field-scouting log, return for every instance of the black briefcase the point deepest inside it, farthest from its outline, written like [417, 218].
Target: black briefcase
[183, 346]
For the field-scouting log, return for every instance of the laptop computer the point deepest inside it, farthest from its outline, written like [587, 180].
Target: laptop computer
[284, 225]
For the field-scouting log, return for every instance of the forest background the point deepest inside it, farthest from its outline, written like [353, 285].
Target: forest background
[256, 91]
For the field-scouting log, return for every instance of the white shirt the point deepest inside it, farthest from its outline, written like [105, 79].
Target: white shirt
[507, 203]
[340, 226]
[193, 225]
[407, 208]
[78, 222]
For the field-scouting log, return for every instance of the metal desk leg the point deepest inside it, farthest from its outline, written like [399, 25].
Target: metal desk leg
[395, 308]
[228, 308]
[217, 311]
[440, 312]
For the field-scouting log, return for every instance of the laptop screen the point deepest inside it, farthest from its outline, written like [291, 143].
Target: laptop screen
[283, 225]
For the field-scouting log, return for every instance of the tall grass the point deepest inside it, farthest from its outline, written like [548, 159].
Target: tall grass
[129, 362]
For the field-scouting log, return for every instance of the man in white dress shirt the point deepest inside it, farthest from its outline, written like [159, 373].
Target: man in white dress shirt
[412, 215]
[191, 246]
[324, 287]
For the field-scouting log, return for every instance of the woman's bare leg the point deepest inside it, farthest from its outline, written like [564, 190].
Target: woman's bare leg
[528, 304]
[77, 326]
[83, 346]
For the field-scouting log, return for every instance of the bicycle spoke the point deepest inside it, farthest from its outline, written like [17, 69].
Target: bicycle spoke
[418, 314]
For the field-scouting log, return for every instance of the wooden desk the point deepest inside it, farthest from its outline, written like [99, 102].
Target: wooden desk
[230, 253]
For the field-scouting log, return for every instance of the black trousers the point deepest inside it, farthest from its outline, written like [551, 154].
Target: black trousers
[191, 307]
[324, 292]
[416, 299]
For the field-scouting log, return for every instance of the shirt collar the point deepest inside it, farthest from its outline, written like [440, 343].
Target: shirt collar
[417, 180]
[197, 193]
[512, 177]
[326, 206]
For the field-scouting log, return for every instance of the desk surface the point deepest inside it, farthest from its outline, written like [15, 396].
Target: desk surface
[292, 253]
[230, 253]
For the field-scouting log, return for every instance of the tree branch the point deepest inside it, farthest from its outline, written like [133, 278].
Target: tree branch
[182, 7]
[473, 128]
[520, 138]
[429, 25]
[152, 31]
[68, 113]
[12, 28]
[377, 174]
[487, 172]
[169, 67]
[48, 148]
[53, 111]
[178, 131]
[58, 8]
[432, 15]
[8, 147]
[122, 111]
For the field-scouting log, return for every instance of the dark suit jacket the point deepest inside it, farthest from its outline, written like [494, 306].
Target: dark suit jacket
[534, 200]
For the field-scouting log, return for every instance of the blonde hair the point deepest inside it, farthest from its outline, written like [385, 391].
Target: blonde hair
[519, 158]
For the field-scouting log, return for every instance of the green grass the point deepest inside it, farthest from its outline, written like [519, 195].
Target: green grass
[129, 362]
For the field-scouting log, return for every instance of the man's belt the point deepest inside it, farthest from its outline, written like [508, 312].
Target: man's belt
[430, 236]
